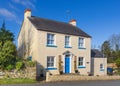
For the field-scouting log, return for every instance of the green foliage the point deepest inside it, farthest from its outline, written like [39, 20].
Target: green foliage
[8, 50]
[5, 35]
[30, 64]
[7, 54]
[19, 65]
[118, 62]
[106, 49]
[9, 67]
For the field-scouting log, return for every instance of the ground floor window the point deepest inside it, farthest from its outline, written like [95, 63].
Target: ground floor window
[50, 61]
[81, 61]
[101, 67]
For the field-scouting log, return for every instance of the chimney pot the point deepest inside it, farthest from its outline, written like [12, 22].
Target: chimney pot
[27, 13]
[28, 10]
[73, 22]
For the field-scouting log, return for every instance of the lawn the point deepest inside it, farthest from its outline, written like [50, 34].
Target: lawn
[17, 81]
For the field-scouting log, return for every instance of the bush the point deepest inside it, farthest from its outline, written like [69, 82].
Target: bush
[19, 65]
[118, 62]
[9, 67]
[30, 64]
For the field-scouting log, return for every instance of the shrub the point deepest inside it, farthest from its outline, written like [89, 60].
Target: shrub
[30, 64]
[118, 62]
[19, 65]
[9, 67]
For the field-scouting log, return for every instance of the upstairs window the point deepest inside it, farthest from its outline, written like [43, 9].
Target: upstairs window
[50, 39]
[67, 41]
[81, 43]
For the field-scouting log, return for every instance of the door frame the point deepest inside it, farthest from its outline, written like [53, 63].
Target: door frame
[69, 63]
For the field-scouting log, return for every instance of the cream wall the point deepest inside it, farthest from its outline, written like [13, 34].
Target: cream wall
[27, 40]
[43, 51]
[96, 66]
[33, 42]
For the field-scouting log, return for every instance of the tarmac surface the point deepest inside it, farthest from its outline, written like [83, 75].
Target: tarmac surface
[73, 83]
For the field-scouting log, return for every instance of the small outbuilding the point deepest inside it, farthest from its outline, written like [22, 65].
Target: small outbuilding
[98, 63]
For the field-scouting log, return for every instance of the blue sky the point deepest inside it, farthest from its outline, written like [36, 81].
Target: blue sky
[99, 18]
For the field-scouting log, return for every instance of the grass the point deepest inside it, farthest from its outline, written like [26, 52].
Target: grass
[17, 81]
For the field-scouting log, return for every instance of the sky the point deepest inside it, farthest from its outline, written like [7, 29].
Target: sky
[99, 18]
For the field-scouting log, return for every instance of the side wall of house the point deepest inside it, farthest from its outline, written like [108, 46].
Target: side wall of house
[44, 51]
[97, 62]
[27, 40]
[21, 41]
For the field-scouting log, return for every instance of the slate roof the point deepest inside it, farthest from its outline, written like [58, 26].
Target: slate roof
[96, 53]
[58, 27]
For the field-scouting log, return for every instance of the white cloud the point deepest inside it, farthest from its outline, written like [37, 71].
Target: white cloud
[26, 3]
[13, 7]
[6, 13]
[9, 15]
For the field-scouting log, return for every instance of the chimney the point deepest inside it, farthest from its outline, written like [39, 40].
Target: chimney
[73, 22]
[27, 13]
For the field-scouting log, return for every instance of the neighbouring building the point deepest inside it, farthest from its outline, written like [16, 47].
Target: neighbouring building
[57, 47]
[98, 63]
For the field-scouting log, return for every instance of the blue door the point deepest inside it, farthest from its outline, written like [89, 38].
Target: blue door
[67, 64]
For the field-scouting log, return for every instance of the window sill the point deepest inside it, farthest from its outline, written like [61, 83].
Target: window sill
[51, 68]
[67, 47]
[81, 67]
[101, 69]
[81, 48]
[51, 45]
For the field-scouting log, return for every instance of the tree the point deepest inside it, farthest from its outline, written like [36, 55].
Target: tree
[5, 35]
[106, 49]
[118, 62]
[8, 54]
[8, 50]
[115, 41]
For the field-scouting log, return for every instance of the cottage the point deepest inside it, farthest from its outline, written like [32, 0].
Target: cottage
[56, 46]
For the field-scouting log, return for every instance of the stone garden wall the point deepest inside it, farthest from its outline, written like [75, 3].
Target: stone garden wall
[54, 78]
[29, 72]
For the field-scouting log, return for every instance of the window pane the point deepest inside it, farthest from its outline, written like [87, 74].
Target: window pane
[67, 40]
[50, 61]
[101, 66]
[50, 39]
[81, 42]
[80, 61]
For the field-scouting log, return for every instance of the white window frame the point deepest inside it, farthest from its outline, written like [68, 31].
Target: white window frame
[68, 40]
[101, 66]
[51, 66]
[81, 42]
[50, 37]
[83, 62]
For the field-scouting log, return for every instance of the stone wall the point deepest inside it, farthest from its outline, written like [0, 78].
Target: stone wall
[29, 72]
[78, 77]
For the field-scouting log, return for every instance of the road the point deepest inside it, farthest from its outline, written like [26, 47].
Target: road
[73, 83]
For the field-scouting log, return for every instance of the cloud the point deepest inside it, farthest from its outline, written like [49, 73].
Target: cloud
[6, 13]
[9, 15]
[13, 7]
[26, 3]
